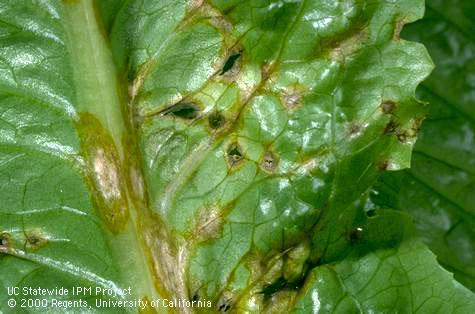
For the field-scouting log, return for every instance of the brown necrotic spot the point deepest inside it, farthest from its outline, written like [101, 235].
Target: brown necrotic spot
[399, 25]
[355, 129]
[35, 240]
[5, 242]
[209, 224]
[383, 165]
[292, 99]
[105, 173]
[391, 127]
[216, 120]
[269, 162]
[388, 107]
[402, 137]
[183, 110]
[235, 155]
[406, 135]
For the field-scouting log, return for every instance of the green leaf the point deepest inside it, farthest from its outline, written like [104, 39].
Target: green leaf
[437, 190]
[212, 151]
[64, 212]
[395, 279]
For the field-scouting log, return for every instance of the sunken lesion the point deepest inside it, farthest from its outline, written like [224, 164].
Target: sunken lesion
[35, 239]
[5, 242]
[216, 120]
[269, 162]
[22, 241]
[105, 172]
[404, 134]
[235, 155]
[186, 110]
[209, 224]
[225, 305]
[293, 97]
[409, 134]
[233, 63]
[384, 165]
[398, 27]
[292, 100]
[388, 107]
[355, 129]
[342, 45]
[391, 127]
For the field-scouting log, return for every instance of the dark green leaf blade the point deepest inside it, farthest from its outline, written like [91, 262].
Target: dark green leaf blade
[438, 189]
[52, 229]
[209, 177]
[303, 114]
[402, 278]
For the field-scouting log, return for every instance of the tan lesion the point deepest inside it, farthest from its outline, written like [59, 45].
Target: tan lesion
[5, 242]
[105, 172]
[35, 239]
[398, 29]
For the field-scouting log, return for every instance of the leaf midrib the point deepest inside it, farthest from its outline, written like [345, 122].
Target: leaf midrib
[97, 93]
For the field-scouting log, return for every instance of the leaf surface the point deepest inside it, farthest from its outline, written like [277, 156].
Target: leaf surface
[437, 190]
[199, 150]
[404, 278]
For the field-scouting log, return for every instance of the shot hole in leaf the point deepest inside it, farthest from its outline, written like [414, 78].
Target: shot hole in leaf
[235, 155]
[224, 306]
[183, 110]
[4, 241]
[356, 234]
[216, 120]
[371, 213]
[228, 65]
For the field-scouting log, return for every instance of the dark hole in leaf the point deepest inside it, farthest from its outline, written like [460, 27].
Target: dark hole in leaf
[234, 154]
[225, 306]
[391, 127]
[230, 62]
[195, 297]
[3, 240]
[216, 120]
[272, 288]
[297, 284]
[371, 213]
[356, 234]
[282, 284]
[186, 111]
